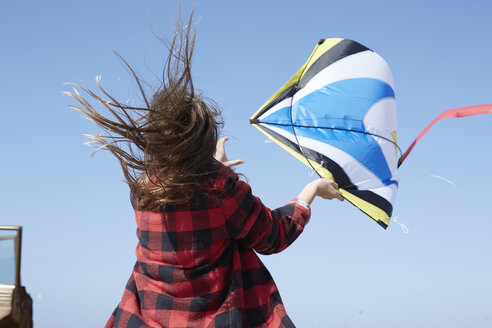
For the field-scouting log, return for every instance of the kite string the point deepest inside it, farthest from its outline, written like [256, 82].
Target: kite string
[330, 128]
[438, 177]
[320, 165]
[446, 180]
[290, 110]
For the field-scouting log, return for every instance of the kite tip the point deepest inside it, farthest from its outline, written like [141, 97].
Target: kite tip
[382, 224]
[321, 41]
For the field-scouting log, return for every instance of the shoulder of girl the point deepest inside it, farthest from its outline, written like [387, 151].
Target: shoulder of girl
[220, 178]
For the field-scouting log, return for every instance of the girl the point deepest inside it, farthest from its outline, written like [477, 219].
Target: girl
[199, 226]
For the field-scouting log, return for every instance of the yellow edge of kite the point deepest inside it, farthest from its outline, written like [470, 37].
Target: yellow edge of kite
[317, 52]
[372, 211]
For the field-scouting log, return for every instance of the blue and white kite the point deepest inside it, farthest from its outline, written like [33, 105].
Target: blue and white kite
[337, 114]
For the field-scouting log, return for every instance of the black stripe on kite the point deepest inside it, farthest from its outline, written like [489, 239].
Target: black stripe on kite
[382, 224]
[341, 50]
[284, 95]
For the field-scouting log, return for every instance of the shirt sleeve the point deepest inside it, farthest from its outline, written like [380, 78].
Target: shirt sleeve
[257, 227]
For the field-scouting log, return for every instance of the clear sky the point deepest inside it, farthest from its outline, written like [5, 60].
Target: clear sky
[344, 270]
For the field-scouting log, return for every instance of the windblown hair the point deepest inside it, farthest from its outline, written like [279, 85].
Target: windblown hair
[167, 146]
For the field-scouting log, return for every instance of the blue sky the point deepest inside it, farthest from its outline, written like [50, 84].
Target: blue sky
[344, 270]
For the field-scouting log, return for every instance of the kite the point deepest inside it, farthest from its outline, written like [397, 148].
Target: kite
[337, 115]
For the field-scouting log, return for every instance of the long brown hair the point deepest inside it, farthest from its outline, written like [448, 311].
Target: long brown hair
[166, 146]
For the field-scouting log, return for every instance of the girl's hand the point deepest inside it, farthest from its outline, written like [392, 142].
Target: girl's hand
[221, 156]
[323, 188]
[328, 189]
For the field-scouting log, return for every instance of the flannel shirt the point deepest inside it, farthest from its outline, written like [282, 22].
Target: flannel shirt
[196, 262]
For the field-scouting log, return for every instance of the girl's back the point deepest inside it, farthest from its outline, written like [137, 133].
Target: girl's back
[195, 261]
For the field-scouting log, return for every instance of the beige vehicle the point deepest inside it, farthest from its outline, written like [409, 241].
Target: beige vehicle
[15, 303]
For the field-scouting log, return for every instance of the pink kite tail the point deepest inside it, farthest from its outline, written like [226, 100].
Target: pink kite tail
[450, 113]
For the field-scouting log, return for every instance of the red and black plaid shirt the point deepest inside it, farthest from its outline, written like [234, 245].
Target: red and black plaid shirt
[196, 262]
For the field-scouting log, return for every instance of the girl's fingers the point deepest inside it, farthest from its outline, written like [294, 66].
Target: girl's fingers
[221, 142]
[221, 156]
[233, 163]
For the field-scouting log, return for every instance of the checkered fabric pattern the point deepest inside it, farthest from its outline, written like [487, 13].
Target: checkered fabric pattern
[196, 262]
